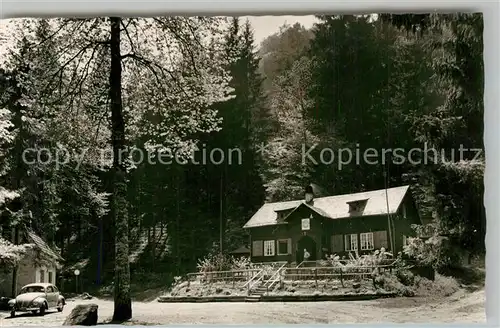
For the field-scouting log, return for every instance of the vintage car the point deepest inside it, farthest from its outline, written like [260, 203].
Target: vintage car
[37, 298]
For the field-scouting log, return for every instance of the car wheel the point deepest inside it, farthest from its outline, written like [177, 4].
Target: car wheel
[12, 314]
[60, 307]
[42, 310]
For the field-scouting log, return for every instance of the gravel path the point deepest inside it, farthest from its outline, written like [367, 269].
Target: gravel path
[467, 308]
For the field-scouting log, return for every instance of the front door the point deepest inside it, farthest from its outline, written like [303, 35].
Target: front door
[306, 245]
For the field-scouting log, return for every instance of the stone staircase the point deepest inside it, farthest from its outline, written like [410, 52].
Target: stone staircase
[260, 287]
[259, 291]
[256, 293]
[252, 298]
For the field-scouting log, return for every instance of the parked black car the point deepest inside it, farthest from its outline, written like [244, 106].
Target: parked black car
[4, 303]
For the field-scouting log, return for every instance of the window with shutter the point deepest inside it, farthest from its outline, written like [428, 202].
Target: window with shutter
[337, 243]
[380, 239]
[257, 248]
[351, 242]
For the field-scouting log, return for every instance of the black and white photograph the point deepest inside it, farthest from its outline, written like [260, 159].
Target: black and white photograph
[315, 169]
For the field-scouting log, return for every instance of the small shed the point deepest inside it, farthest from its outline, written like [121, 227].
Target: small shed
[242, 251]
[40, 263]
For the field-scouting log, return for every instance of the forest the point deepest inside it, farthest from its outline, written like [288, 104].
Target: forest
[74, 89]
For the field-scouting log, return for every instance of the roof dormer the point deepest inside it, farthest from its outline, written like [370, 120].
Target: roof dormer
[357, 206]
[281, 214]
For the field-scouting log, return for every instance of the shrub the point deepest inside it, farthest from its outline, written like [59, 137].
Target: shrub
[268, 270]
[222, 262]
[441, 286]
[214, 262]
[324, 263]
[332, 260]
[406, 277]
[378, 257]
[240, 263]
[391, 283]
[437, 251]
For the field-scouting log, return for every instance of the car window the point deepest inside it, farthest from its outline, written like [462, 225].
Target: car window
[32, 289]
[55, 289]
[49, 289]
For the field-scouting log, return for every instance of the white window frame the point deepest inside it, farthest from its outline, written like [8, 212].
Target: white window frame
[278, 246]
[269, 248]
[350, 241]
[366, 241]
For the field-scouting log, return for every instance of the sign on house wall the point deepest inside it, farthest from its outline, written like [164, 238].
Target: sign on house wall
[306, 224]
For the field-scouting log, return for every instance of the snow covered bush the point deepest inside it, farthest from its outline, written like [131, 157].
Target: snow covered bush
[222, 262]
[214, 262]
[436, 251]
[11, 254]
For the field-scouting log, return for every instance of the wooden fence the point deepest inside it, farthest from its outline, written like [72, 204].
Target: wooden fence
[284, 273]
[325, 263]
[226, 276]
[340, 273]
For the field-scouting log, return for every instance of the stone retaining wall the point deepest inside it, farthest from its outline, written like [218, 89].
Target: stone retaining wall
[277, 298]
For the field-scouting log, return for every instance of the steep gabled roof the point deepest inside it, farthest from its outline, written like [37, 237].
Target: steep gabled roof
[47, 252]
[312, 208]
[335, 207]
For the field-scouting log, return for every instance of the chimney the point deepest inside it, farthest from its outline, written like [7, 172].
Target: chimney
[309, 195]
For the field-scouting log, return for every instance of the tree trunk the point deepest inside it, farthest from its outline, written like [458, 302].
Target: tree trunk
[15, 241]
[155, 216]
[221, 216]
[122, 300]
[80, 230]
[177, 219]
[20, 168]
[99, 255]
[63, 245]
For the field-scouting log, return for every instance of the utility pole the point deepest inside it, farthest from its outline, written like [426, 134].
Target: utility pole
[389, 223]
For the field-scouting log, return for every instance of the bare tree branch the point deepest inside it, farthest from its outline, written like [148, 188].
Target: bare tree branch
[63, 25]
[184, 43]
[151, 66]
[128, 35]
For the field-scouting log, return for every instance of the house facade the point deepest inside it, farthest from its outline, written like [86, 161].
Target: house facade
[40, 264]
[313, 228]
